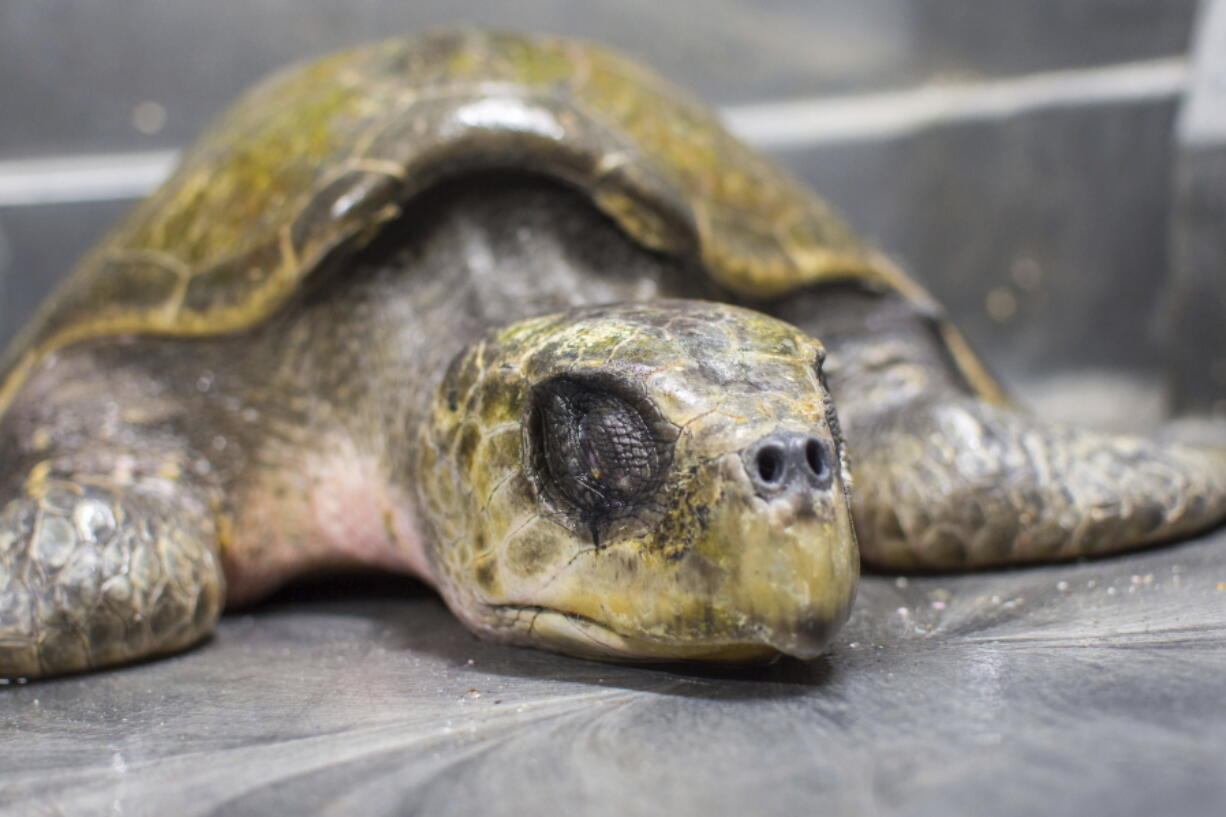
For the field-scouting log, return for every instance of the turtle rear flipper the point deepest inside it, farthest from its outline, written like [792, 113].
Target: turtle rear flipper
[100, 567]
[956, 482]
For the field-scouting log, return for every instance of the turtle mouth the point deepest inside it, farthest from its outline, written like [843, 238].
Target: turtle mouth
[579, 635]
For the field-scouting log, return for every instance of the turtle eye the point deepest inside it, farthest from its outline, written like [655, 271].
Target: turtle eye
[594, 448]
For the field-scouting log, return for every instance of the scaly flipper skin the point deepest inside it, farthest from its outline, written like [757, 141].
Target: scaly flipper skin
[945, 479]
[959, 483]
[109, 522]
[100, 566]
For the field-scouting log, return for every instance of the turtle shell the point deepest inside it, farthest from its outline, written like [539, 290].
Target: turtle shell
[318, 157]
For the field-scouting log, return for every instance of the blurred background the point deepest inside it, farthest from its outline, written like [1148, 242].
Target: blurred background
[1053, 170]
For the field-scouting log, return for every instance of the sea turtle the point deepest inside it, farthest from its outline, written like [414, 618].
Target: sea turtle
[462, 305]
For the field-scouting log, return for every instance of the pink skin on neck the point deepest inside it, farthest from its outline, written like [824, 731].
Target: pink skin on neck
[337, 511]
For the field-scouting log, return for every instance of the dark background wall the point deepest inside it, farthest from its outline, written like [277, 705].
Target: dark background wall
[1018, 157]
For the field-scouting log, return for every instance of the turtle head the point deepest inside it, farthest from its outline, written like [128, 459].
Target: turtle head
[642, 481]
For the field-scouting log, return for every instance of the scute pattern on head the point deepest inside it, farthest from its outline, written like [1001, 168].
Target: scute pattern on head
[704, 564]
[319, 156]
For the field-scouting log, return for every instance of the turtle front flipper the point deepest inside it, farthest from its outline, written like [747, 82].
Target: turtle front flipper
[956, 482]
[948, 475]
[100, 566]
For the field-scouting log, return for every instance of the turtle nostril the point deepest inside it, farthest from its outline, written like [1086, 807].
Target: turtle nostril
[789, 460]
[815, 456]
[770, 463]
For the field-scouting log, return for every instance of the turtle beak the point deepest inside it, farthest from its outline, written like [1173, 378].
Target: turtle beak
[793, 562]
[769, 565]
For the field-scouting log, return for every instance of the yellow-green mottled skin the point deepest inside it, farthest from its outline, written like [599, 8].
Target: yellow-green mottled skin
[704, 574]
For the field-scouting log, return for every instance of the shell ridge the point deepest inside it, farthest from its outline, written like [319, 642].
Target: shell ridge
[319, 156]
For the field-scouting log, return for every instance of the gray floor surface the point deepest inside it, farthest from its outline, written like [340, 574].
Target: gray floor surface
[1094, 688]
